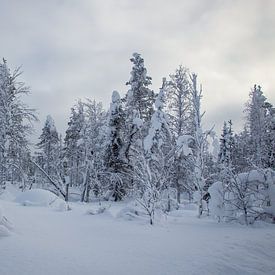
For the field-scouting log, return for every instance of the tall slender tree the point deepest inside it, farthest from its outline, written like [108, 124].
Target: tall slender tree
[15, 125]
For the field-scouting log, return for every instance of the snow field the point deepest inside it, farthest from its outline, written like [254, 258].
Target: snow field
[45, 241]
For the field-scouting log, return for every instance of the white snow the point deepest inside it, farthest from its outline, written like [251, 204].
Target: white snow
[49, 242]
[183, 143]
[5, 225]
[40, 197]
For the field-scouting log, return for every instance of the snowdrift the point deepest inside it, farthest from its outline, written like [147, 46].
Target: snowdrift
[9, 193]
[40, 197]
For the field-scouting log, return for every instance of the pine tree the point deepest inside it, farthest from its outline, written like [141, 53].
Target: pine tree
[269, 137]
[139, 97]
[226, 145]
[138, 110]
[256, 124]
[49, 146]
[72, 150]
[116, 162]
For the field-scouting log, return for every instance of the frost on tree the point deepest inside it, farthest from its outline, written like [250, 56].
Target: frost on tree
[94, 146]
[200, 145]
[15, 126]
[178, 106]
[139, 96]
[260, 120]
[138, 106]
[151, 167]
[116, 162]
[226, 144]
[72, 144]
[246, 197]
[49, 155]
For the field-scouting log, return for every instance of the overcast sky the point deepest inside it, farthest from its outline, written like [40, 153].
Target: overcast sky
[78, 49]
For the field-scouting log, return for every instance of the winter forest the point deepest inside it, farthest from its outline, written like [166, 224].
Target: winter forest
[148, 155]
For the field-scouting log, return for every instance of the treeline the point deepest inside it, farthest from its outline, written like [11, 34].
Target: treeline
[148, 145]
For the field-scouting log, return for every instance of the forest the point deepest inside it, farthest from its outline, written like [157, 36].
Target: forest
[149, 147]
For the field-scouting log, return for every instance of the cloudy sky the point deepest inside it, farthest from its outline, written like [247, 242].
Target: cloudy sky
[73, 49]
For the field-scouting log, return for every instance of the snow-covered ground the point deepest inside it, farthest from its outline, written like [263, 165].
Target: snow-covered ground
[46, 240]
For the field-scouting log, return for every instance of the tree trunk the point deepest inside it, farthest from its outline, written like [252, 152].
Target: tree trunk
[67, 193]
[87, 195]
[200, 207]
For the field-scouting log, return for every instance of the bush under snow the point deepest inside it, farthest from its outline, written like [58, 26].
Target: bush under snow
[40, 197]
[246, 197]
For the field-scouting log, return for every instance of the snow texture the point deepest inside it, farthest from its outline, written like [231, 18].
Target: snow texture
[183, 145]
[49, 242]
[40, 197]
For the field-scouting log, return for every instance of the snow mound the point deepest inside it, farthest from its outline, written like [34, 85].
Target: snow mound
[9, 193]
[40, 197]
[99, 210]
[130, 213]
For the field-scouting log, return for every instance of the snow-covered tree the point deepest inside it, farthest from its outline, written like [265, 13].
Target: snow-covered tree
[116, 161]
[15, 126]
[93, 144]
[139, 97]
[242, 151]
[199, 144]
[72, 150]
[178, 105]
[226, 144]
[151, 169]
[48, 145]
[256, 124]
[269, 137]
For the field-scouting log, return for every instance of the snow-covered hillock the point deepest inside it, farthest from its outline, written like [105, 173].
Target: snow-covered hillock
[40, 197]
[9, 193]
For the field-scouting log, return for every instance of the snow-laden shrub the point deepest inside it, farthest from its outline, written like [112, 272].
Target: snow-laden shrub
[245, 197]
[217, 203]
[135, 212]
[99, 210]
[130, 213]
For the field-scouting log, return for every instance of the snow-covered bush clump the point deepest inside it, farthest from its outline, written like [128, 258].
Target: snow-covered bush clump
[40, 197]
[133, 211]
[99, 210]
[245, 197]
[218, 204]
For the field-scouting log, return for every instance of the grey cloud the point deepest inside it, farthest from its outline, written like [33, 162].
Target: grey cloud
[77, 49]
